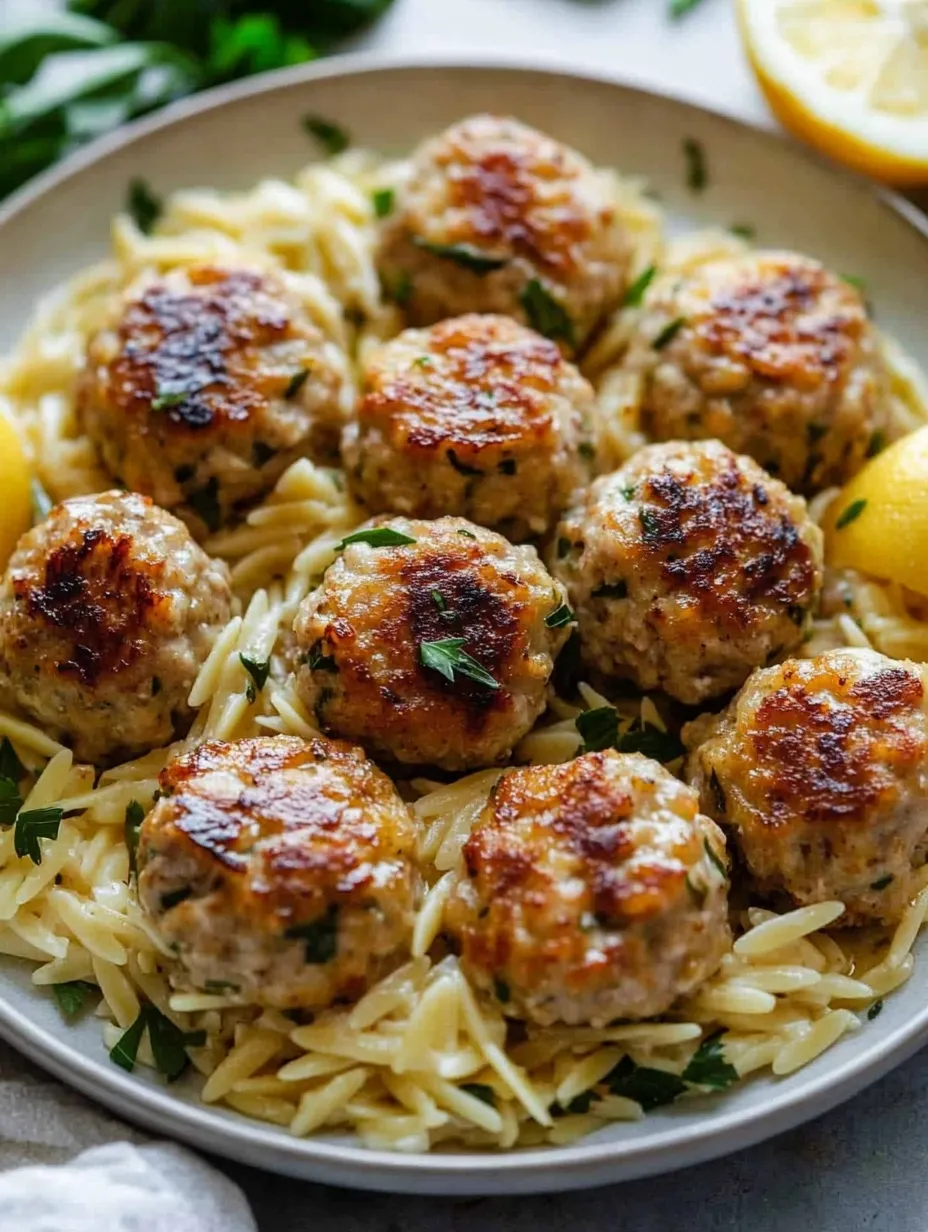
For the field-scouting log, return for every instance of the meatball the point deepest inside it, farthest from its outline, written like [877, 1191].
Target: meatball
[279, 870]
[590, 891]
[107, 612]
[819, 772]
[437, 650]
[476, 416]
[207, 384]
[688, 568]
[497, 217]
[773, 355]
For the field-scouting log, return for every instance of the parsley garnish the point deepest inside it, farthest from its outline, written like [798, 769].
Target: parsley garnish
[875, 1010]
[468, 534]
[567, 666]
[205, 504]
[650, 741]
[168, 1043]
[258, 670]
[746, 230]
[679, 8]
[708, 1068]
[382, 199]
[480, 1091]
[126, 1048]
[559, 617]
[320, 936]
[464, 255]
[71, 996]
[400, 290]
[319, 662]
[446, 657]
[668, 333]
[851, 514]
[544, 313]
[855, 281]
[33, 825]
[296, 383]
[696, 171]
[143, 205]
[132, 826]
[599, 728]
[11, 771]
[586, 449]
[714, 858]
[11, 768]
[563, 547]
[376, 537]
[635, 293]
[441, 603]
[501, 990]
[877, 443]
[164, 402]
[648, 1087]
[334, 140]
[882, 883]
[461, 467]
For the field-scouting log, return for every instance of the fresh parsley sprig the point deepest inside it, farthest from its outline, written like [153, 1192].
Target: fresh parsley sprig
[446, 657]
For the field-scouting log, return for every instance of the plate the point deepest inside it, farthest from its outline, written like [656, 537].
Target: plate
[232, 137]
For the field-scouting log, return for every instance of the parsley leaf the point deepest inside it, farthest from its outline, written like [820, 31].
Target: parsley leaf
[169, 1043]
[875, 1010]
[668, 333]
[320, 936]
[648, 1087]
[446, 657]
[501, 990]
[33, 825]
[714, 858]
[319, 662]
[559, 617]
[745, 230]
[296, 383]
[376, 537]
[126, 1049]
[465, 255]
[650, 741]
[334, 140]
[71, 996]
[635, 293]
[205, 504]
[382, 200]
[10, 802]
[599, 728]
[480, 1091]
[697, 175]
[135, 815]
[708, 1068]
[11, 768]
[882, 883]
[567, 666]
[143, 205]
[257, 669]
[164, 402]
[545, 314]
[851, 514]
[679, 8]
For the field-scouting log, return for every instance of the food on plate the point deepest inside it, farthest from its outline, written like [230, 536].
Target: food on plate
[206, 383]
[279, 870]
[498, 217]
[108, 609]
[590, 892]
[430, 642]
[770, 353]
[818, 770]
[14, 483]
[476, 416]
[687, 568]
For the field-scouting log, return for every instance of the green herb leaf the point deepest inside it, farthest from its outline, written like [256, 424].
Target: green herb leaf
[465, 255]
[142, 204]
[708, 1067]
[877, 443]
[468, 534]
[746, 230]
[319, 662]
[650, 741]
[399, 289]
[446, 657]
[11, 768]
[855, 281]
[649, 1087]
[679, 8]
[32, 826]
[334, 140]
[882, 883]
[132, 826]
[599, 728]
[126, 1049]
[697, 175]
[635, 293]
[559, 617]
[71, 996]
[320, 936]
[164, 402]
[545, 314]
[10, 802]
[480, 1091]
[567, 666]
[169, 1043]
[296, 383]
[875, 1010]
[376, 537]
[668, 333]
[501, 991]
[258, 669]
[383, 199]
[205, 504]
[851, 513]
[714, 858]
[563, 547]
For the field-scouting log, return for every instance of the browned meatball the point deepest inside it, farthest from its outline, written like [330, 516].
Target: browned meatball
[207, 384]
[819, 771]
[108, 610]
[436, 649]
[687, 568]
[279, 870]
[476, 416]
[498, 217]
[590, 891]
[770, 353]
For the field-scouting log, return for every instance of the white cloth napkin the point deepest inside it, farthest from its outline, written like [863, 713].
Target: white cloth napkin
[117, 1183]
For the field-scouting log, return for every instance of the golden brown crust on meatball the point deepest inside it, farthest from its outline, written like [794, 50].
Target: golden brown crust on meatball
[689, 567]
[362, 633]
[108, 610]
[206, 385]
[476, 417]
[819, 768]
[770, 353]
[590, 891]
[491, 205]
[280, 869]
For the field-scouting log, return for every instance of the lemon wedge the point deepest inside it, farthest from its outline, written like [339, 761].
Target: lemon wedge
[879, 522]
[850, 77]
[15, 485]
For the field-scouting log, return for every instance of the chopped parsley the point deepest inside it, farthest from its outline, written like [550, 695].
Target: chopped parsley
[567, 666]
[462, 468]
[143, 205]
[319, 936]
[168, 1043]
[11, 768]
[446, 657]
[319, 662]
[649, 1087]
[31, 826]
[718, 793]
[205, 504]
[561, 616]
[635, 293]
[882, 883]
[746, 230]
[442, 604]
[877, 443]
[545, 314]
[649, 524]
[400, 289]
[855, 281]
[586, 449]
[679, 8]
[697, 175]
[563, 547]
[599, 728]
[334, 140]
[376, 537]
[296, 383]
[480, 1090]
[468, 534]
[258, 670]
[851, 514]
[875, 1010]
[611, 590]
[11, 771]
[501, 990]
[382, 200]
[72, 995]
[714, 858]
[126, 1048]
[132, 826]
[651, 741]
[668, 333]
[164, 402]
[423, 361]
[708, 1068]
[465, 255]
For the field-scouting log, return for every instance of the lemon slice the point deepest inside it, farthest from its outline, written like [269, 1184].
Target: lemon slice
[16, 499]
[848, 76]
[879, 522]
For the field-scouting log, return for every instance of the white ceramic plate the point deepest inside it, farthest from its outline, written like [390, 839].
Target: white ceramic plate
[230, 139]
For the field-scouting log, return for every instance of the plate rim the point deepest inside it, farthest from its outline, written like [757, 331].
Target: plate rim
[533, 1169]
